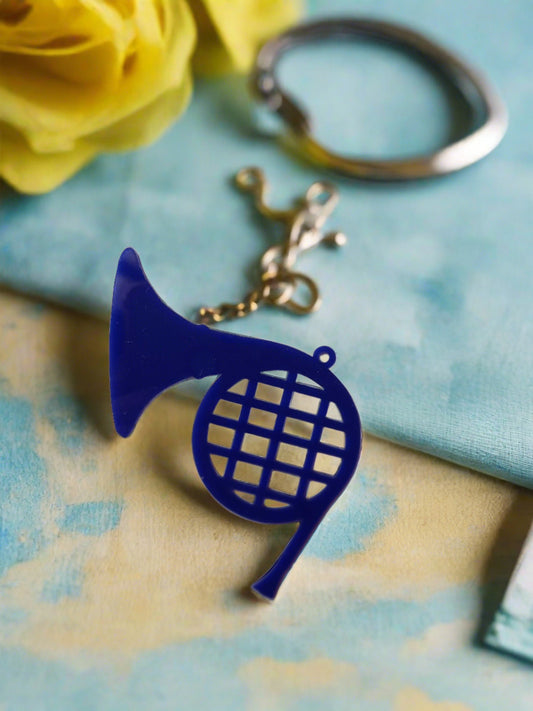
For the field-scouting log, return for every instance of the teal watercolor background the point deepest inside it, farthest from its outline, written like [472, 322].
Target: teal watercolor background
[212, 672]
[26, 495]
[360, 513]
[92, 518]
[23, 484]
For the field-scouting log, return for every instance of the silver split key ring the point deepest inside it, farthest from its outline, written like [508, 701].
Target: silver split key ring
[489, 114]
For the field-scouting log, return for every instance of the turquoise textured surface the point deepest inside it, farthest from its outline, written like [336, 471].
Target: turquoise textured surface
[428, 307]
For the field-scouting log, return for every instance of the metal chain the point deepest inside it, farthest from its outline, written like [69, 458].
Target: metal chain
[209, 315]
[274, 291]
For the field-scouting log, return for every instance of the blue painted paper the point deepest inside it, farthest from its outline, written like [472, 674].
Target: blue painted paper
[429, 306]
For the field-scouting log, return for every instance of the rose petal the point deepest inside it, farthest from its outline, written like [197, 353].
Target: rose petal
[48, 24]
[231, 30]
[31, 172]
[146, 125]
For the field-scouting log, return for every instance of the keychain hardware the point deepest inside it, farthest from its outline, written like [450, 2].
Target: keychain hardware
[489, 115]
[303, 225]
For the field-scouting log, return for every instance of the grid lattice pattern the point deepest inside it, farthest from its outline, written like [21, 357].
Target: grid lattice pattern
[258, 425]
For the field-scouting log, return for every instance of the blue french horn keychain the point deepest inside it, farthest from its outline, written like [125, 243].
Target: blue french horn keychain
[277, 437]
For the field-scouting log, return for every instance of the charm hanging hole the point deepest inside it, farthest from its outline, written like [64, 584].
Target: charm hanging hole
[325, 355]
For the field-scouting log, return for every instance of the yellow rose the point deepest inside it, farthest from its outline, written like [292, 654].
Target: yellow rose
[78, 77]
[82, 76]
[230, 31]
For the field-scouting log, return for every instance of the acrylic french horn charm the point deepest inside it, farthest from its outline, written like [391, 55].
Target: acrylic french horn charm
[277, 437]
